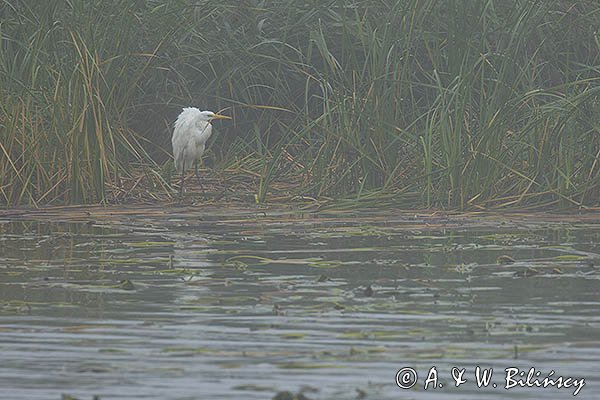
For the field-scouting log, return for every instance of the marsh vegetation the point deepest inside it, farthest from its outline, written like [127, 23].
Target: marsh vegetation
[452, 104]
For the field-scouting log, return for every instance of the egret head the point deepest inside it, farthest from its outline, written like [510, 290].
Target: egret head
[193, 114]
[209, 116]
[192, 117]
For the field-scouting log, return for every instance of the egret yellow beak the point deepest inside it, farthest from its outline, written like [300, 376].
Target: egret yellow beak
[219, 116]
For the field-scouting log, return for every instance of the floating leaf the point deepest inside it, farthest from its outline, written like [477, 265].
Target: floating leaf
[504, 259]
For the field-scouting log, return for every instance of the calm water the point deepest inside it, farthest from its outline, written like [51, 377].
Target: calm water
[247, 304]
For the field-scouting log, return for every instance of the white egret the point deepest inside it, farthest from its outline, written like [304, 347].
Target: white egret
[192, 130]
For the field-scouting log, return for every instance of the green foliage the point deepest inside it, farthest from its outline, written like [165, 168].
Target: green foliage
[69, 75]
[465, 103]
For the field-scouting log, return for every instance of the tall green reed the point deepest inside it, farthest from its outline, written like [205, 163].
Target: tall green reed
[69, 71]
[465, 103]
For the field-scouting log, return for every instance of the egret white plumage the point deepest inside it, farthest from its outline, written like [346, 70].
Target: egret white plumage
[192, 130]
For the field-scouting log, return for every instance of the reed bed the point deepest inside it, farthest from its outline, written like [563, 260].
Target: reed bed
[459, 104]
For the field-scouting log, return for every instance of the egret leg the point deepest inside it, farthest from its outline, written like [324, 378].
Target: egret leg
[198, 178]
[182, 181]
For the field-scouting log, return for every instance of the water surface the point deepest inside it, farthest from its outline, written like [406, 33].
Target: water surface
[196, 303]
